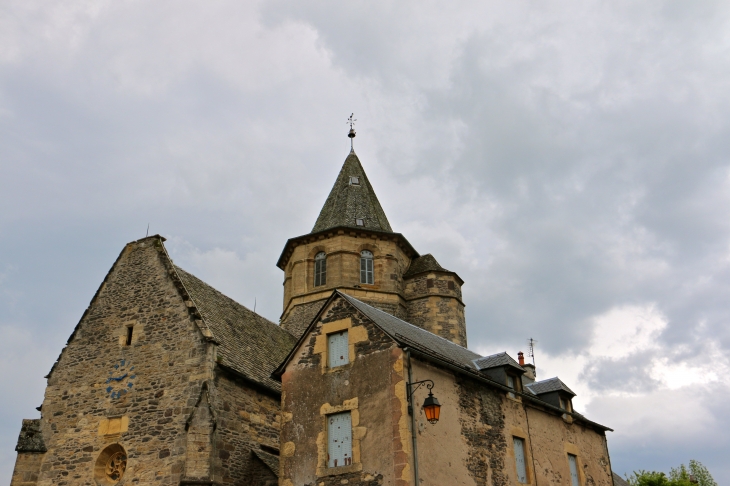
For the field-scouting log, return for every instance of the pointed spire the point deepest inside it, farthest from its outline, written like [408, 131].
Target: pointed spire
[352, 201]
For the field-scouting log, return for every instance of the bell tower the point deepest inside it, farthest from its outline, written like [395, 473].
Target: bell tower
[352, 248]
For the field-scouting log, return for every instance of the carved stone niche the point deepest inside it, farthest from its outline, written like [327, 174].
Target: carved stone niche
[110, 465]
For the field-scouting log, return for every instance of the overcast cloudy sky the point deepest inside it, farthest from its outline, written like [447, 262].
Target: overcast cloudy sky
[570, 160]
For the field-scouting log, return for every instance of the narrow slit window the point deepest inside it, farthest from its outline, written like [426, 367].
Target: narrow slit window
[366, 267]
[572, 461]
[339, 440]
[520, 459]
[338, 350]
[130, 331]
[320, 269]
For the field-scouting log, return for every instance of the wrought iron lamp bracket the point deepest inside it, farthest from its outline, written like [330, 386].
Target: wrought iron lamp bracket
[429, 384]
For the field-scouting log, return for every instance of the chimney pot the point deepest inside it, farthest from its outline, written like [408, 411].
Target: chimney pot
[521, 358]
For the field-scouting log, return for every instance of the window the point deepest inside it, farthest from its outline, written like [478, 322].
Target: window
[511, 384]
[320, 269]
[565, 404]
[429, 283]
[130, 330]
[366, 267]
[520, 459]
[450, 285]
[360, 222]
[339, 440]
[337, 349]
[572, 461]
[354, 181]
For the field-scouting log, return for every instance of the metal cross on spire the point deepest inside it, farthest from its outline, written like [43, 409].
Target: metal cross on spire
[351, 121]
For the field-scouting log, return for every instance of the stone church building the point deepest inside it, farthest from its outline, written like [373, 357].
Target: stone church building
[166, 381]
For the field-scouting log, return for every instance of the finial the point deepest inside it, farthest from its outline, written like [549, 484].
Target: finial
[351, 121]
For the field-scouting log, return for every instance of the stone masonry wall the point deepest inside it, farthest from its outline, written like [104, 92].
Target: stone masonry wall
[434, 304]
[248, 417]
[79, 416]
[27, 467]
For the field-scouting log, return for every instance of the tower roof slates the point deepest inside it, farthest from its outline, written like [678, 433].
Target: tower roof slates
[348, 202]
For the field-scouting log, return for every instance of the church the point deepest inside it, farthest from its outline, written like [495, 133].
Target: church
[366, 380]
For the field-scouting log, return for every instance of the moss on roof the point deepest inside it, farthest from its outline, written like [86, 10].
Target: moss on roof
[348, 202]
[425, 263]
[248, 343]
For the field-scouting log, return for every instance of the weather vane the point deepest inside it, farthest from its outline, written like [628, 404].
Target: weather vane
[351, 121]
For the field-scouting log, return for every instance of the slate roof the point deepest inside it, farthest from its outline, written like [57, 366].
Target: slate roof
[494, 360]
[248, 343]
[410, 335]
[425, 263]
[271, 461]
[549, 385]
[31, 437]
[347, 202]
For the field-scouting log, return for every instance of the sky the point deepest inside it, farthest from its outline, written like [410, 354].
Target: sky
[569, 160]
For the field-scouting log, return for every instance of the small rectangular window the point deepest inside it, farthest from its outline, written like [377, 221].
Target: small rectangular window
[573, 470]
[520, 459]
[130, 330]
[451, 285]
[360, 222]
[511, 384]
[338, 349]
[339, 440]
[354, 180]
[429, 283]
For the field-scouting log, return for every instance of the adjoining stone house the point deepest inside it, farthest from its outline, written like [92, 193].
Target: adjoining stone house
[166, 381]
[346, 420]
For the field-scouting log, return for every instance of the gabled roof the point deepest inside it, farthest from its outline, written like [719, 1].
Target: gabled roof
[348, 202]
[495, 360]
[548, 386]
[248, 343]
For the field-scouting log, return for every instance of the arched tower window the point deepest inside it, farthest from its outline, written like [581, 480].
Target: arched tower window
[320, 269]
[366, 267]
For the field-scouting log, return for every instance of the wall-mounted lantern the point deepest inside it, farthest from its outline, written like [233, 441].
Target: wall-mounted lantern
[431, 406]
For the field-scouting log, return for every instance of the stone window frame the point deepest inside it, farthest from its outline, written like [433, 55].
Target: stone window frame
[358, 433]
[520, 434]
[572, 449]
[320, 269]
[355, 334]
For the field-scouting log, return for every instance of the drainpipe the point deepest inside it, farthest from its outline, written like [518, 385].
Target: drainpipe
[413, 419]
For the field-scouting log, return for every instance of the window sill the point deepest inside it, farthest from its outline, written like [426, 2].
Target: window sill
[334, 471]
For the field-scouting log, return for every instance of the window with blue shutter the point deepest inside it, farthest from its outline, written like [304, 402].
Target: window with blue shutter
[573, 470]
[337, 349]
[520, 459]
[339, 440]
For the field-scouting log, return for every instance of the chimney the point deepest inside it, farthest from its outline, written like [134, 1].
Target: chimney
[530, 374]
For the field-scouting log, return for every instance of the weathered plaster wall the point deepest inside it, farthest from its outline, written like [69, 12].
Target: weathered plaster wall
[441, 449]
[371, 386]
[79, 419]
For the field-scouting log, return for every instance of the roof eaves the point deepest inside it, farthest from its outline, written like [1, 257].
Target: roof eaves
[284, 256]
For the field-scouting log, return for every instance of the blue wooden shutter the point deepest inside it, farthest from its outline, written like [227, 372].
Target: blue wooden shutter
[339, 354]
[520, 459]
[573, 470]
[339, 440]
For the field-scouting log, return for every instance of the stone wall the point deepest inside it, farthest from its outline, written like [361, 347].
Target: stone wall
[248, 417]
[434, 304]
[371, 387]
[165, 365]
[27, 468]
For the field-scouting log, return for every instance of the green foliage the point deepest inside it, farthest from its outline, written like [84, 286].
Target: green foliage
[679, 476]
